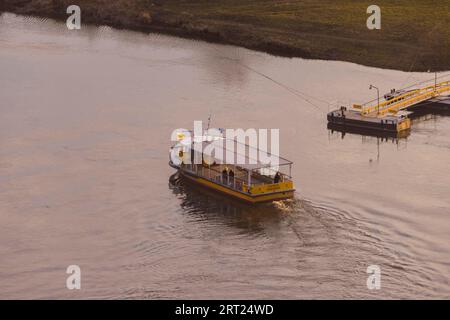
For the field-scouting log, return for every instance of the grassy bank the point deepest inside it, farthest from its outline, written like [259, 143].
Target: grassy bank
[415, 34]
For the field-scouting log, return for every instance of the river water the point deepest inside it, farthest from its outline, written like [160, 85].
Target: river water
[85, 125]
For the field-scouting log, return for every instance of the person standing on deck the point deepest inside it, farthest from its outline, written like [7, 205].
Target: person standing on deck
[277, 177]
[231, 175]
[225, 175]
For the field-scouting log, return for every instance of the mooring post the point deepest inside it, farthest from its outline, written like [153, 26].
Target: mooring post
[435, 81]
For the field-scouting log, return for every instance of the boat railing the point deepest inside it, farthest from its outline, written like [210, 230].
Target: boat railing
[212, 174]
[238, 183]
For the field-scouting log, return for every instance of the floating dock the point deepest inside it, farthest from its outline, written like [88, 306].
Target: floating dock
[391, 115]
[352, 119]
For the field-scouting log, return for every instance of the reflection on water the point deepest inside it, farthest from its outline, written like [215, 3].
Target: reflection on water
[207, 204]
[84, 136]
[371, 138]
[383, 136]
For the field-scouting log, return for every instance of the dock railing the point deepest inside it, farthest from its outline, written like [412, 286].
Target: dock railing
[404, 100]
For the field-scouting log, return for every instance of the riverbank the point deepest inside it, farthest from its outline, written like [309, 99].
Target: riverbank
[414, 35]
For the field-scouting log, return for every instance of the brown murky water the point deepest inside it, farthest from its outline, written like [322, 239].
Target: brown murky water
[85, 129]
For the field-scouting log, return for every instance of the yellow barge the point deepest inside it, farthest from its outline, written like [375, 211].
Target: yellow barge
[254, 182]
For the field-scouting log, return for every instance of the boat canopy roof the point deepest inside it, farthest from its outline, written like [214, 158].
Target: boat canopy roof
[243, 155]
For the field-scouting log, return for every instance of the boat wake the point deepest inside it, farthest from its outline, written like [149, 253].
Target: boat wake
[317, 241]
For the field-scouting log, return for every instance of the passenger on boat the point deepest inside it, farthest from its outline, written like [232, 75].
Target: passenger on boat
[277, 177]
[225, 175]
[231, 175]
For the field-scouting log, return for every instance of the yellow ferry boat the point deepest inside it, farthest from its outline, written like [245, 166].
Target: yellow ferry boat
[251, 182]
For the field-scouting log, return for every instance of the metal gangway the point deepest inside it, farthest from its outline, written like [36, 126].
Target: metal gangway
[403, 100]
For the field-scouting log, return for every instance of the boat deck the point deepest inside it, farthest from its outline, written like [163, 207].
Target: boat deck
[214, 172]
[261, 188]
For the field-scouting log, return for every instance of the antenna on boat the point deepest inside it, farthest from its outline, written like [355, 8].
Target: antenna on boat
[209, 120]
